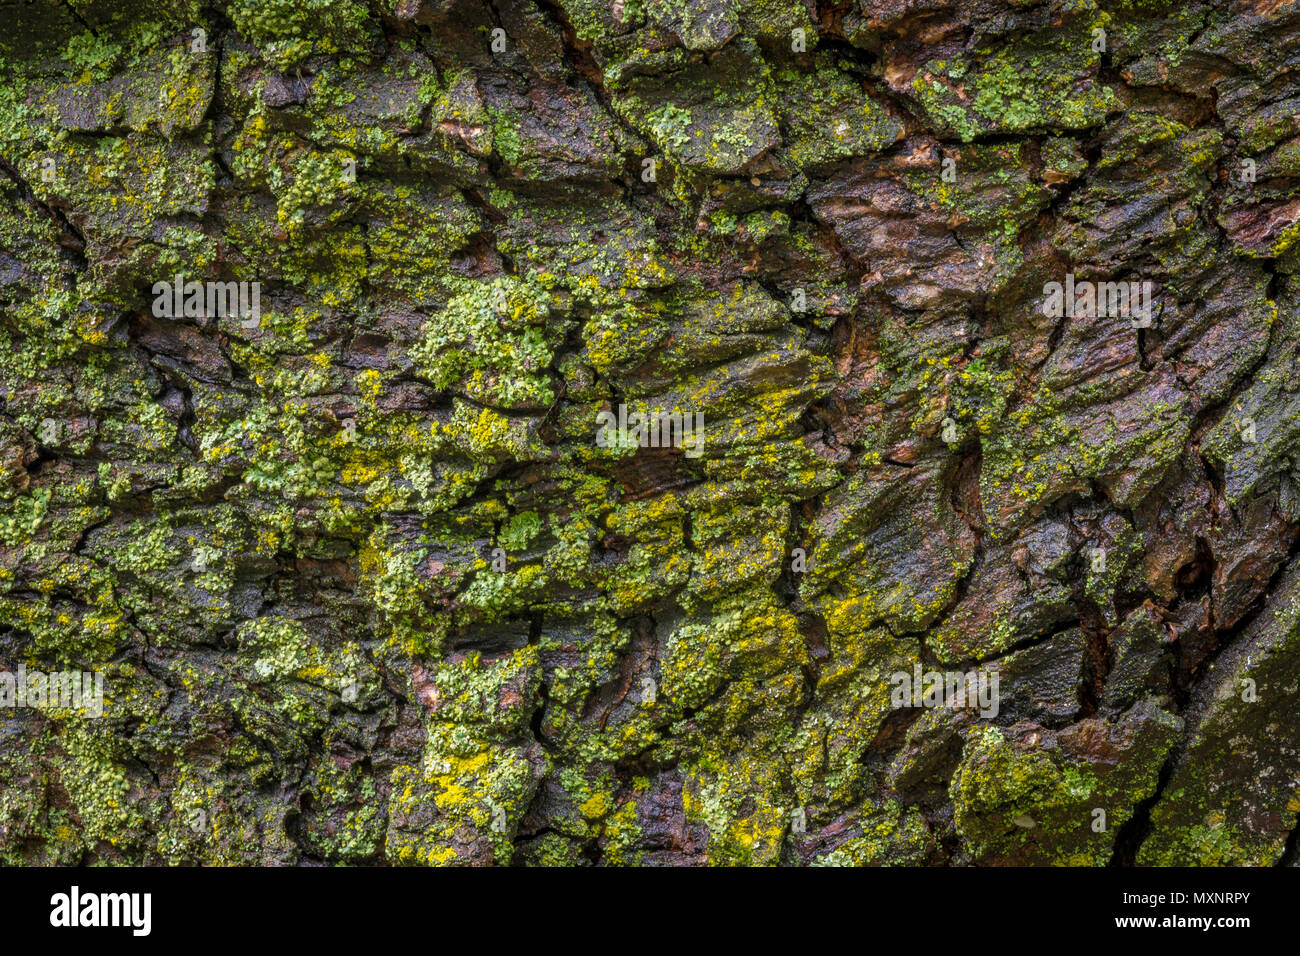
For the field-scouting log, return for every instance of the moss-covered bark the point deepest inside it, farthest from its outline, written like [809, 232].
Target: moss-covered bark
[364, 584]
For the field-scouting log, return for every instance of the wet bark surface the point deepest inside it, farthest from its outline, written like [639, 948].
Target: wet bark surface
[368, 580]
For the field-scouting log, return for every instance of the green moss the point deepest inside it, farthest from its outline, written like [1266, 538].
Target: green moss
[493, 342]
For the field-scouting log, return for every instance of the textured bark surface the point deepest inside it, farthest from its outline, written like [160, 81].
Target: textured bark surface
[828, 229]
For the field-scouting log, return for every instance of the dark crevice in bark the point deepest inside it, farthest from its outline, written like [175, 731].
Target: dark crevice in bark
[1134, 831]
